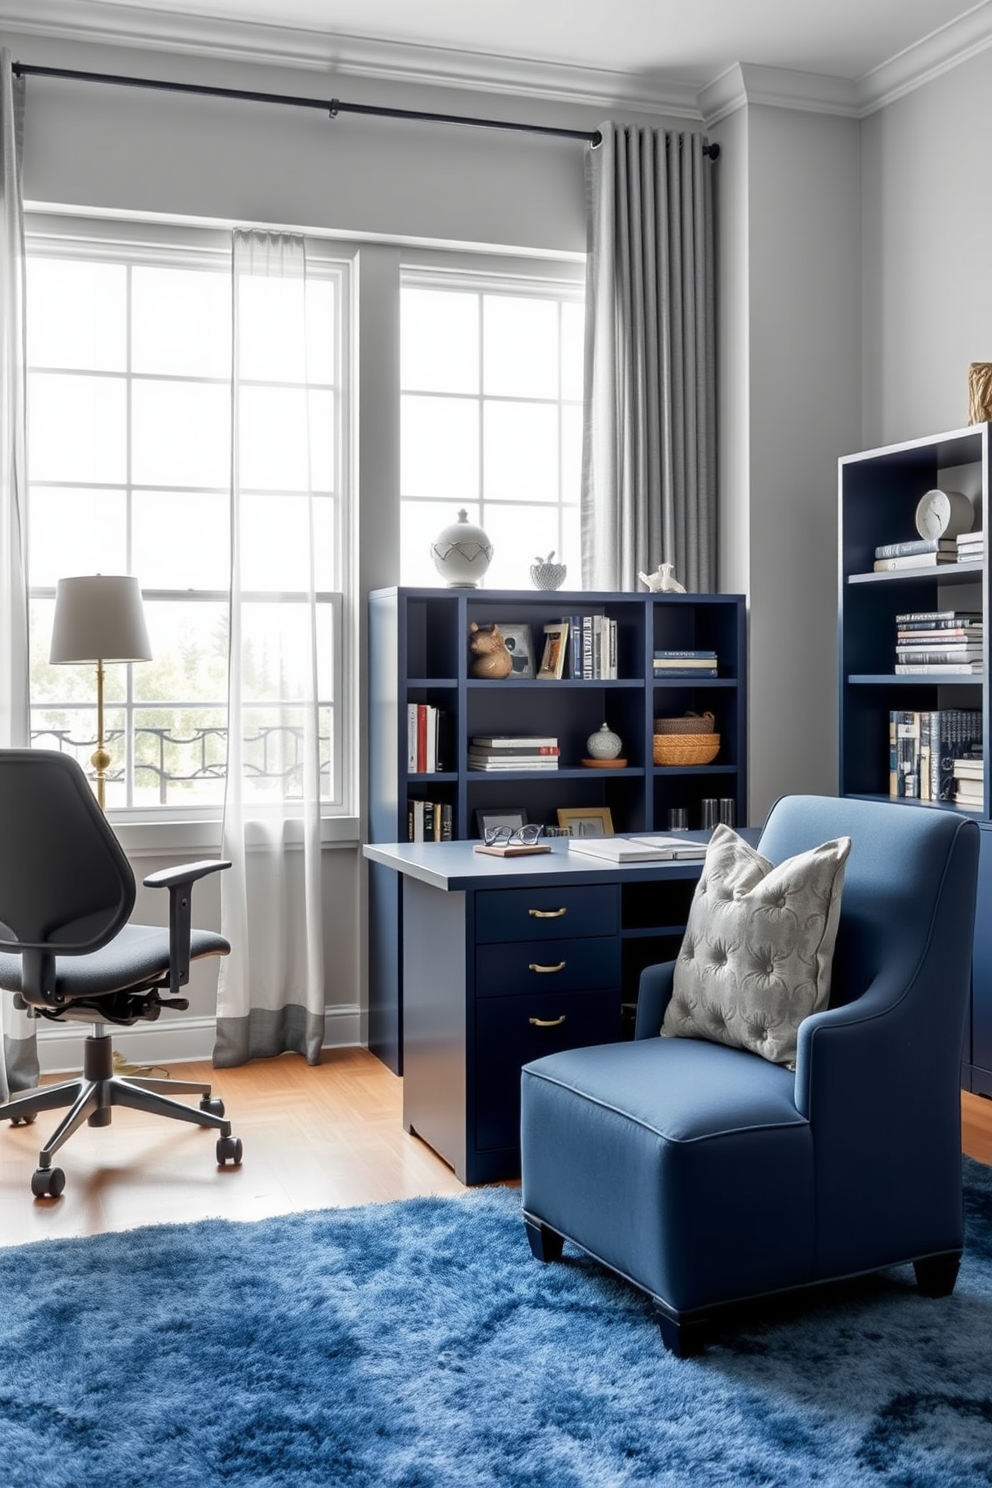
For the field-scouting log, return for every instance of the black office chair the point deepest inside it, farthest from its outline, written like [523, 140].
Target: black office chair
[67, 951]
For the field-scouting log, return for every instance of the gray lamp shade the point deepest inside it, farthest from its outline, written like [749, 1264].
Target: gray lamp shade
[99, 617]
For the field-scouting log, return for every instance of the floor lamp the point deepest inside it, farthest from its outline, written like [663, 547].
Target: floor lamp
[99, 618]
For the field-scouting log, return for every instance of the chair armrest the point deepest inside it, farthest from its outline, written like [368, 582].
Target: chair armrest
[653, 996]
[184, 873]
[178, 881]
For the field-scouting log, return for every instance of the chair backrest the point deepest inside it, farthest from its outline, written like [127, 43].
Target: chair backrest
[65, 884]
[908, 902]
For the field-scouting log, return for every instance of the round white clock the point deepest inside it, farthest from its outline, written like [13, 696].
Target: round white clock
[943, 514]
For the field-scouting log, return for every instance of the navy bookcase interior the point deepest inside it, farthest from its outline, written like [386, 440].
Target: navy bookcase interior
[418, 653]
[878, 492]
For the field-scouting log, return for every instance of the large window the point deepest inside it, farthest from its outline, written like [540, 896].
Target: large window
[491, 410]
[129, 406]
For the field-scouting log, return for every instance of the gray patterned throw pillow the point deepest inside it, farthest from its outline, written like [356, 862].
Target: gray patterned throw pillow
[756, 956]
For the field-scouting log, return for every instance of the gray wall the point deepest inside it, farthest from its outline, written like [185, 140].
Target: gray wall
[927, 211]
[790, 403]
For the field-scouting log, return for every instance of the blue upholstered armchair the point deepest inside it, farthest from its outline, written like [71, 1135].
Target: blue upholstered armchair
[707, 1174]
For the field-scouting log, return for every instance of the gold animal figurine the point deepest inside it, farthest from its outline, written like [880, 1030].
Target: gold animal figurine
[663, 580]
[490, 657]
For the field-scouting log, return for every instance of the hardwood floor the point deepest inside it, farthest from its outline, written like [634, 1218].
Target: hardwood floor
[314, 1138]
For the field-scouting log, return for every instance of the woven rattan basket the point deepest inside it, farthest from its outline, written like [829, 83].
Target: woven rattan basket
[689, 723]
[686, 749]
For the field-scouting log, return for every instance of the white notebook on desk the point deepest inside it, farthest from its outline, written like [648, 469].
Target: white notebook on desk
[637, 849]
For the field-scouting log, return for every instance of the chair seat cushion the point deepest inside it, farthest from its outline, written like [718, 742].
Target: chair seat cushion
[684, 1165]
[137, 955]
[684, 1094]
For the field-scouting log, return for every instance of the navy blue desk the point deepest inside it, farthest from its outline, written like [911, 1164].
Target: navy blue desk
[506, 959]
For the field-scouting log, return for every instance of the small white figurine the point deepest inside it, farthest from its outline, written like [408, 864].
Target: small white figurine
[663, 580]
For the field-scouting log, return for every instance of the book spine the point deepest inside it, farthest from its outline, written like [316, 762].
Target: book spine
[411, 738]
[914, 560]
[955, 617]
[939, 669]
[421, 738]
[915, 545]
[587, 671]
[945, 653]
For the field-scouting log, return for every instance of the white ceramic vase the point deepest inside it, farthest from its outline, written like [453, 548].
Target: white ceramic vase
[604, 744]
[462, 553]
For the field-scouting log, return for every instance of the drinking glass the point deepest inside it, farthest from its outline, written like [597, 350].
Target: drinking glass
[727, 810]
[710, 812]
[678, 819]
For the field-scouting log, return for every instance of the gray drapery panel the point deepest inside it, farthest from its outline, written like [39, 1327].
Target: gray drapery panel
[19, 1051]
[649, 431]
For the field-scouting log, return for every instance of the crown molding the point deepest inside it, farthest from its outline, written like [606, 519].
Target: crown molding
[134, 26]
[778, 87]
[930, 58]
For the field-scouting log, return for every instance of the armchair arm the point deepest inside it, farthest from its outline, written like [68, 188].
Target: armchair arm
[653, 996]
[179, 881]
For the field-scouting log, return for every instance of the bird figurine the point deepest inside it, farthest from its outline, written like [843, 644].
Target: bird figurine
[663, 580]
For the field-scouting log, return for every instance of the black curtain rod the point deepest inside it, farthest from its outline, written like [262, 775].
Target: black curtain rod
[332, 107]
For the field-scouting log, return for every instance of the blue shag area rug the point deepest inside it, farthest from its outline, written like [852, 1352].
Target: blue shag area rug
[418, 1344]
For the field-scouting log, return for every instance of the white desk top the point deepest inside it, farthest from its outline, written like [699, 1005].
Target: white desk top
[455, 865]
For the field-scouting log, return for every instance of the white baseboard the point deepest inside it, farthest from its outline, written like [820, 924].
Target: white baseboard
[60, 1045]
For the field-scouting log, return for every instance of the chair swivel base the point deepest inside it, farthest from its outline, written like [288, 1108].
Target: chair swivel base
[91, 1098]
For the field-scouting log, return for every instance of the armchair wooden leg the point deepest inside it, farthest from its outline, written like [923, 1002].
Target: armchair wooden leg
[936, 1275]
[545, 1244]
[681, 1337]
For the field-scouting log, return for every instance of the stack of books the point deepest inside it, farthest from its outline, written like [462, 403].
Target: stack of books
[594, 647]
[429, 821]
[496, 752]
[423, 731]
[917, 552]
[923, 748]
[971, 547]
[969, 789]
[939, 643]
[683, 664]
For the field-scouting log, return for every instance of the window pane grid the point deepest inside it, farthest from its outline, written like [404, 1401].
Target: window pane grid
[161, 446]
[505, 444]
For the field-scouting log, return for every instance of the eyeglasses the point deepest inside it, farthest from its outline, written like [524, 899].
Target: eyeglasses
[511, 836]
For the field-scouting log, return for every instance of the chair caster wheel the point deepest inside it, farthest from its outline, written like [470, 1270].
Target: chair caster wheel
[229, 1149]
[47, 1183]
[213, 1104]
[28, 1119]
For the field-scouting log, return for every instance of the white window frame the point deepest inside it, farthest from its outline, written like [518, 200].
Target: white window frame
[128, 241]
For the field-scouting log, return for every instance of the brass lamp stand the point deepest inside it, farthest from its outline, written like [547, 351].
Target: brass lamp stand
[99, 618]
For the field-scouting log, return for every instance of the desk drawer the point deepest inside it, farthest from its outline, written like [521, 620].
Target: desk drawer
[543, 913]
[559, 966]
[507, 1037]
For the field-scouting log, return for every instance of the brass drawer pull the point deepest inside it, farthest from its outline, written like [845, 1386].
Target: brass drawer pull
[536, 966]
[548, 1022]
[547, 914]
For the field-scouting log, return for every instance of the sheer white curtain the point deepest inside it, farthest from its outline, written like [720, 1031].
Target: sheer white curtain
[649, 434]
[271, 988]
[19, 1064]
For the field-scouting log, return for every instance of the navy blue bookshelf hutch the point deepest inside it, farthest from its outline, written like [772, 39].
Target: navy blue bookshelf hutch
[878, 491]
[418, 653]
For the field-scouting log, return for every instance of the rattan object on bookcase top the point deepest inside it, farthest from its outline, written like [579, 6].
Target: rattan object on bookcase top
[686, 749]
[689, 723]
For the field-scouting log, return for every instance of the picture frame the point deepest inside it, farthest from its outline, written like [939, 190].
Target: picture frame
[555, 647]
[499, 816]
[586, 821]
[520, 644]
